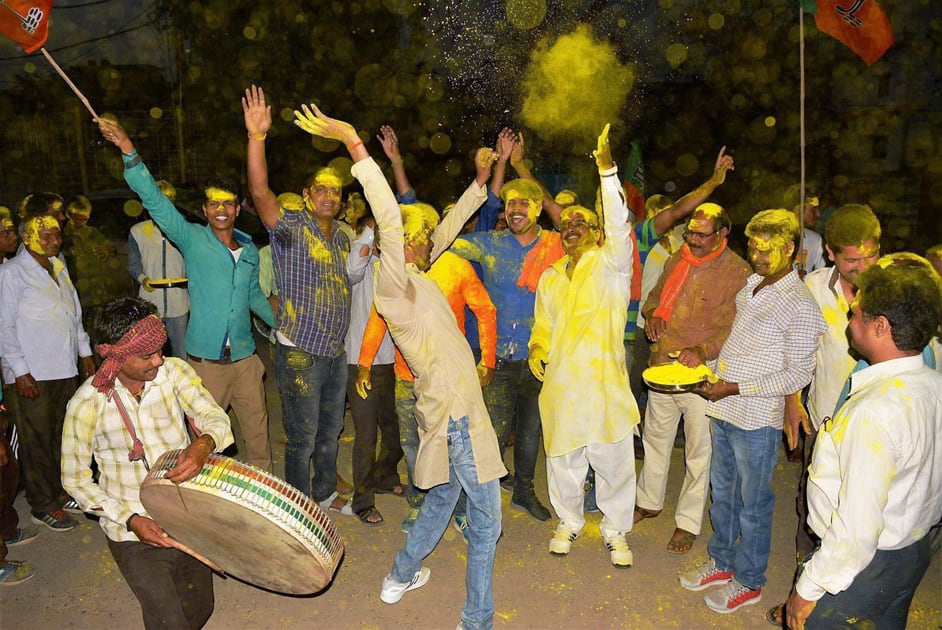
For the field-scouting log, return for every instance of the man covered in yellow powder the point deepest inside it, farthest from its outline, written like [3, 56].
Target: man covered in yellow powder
[41, 341]
[222, 272]
[309, 254]
[875, 481]
[687, 316]
[586, 406]
[852, 234]
[768, 355]
[458, 448]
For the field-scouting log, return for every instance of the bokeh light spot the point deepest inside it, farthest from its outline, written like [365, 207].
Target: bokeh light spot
[400, 7]
[453, 167]
[287, 114]
[526, 15]
[29, 67]
[133, 208]
[687, 164]
[440, 143]
[676, 54]
[249, 33]
[342, 165]
[770, 121]
[716, 21]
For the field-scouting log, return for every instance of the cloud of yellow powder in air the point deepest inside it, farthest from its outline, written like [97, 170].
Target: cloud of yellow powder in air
[574, 86]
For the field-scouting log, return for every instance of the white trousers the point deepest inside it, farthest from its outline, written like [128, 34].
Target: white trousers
[614, 466]
[660, 427]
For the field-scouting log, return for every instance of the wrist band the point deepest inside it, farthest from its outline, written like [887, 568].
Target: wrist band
[258, 136]
[354, 145]
[127, 523]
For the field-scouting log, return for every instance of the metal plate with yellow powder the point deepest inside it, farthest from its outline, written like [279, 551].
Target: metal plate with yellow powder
[676, 377]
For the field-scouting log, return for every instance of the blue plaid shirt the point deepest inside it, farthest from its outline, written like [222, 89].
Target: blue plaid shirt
[769, 352]
[311, 276]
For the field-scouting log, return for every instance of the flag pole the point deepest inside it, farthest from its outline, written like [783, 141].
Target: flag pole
[801, 63]
[65, 77]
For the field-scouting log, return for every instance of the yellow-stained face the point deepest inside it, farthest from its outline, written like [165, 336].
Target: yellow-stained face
[221, 207]
[42, 236]
[701, 234]
[322, 199]
[770, 255]
[521, 213]
[851, 260]
[578, 229]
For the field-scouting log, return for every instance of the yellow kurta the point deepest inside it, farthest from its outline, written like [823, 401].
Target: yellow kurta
[581, 322]
[424, 328]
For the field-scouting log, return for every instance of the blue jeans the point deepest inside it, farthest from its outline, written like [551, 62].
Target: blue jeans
[741, 477]
[512, 400]
[484, 525]
[312, 393]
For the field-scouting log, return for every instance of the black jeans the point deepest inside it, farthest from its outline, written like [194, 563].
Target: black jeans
[512, 400]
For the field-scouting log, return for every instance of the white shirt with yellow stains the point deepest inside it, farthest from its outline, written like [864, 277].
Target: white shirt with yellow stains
[581, 323]
[875, 481]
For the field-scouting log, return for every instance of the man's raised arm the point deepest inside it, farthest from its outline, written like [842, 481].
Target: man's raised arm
[257, 123]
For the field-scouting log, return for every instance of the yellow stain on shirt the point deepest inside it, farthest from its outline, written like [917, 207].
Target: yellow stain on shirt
[288, 309]
[315, 247]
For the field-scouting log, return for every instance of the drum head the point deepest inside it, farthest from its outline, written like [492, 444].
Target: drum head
[249, 542]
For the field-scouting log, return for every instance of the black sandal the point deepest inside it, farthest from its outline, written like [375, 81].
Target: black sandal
[365, 514]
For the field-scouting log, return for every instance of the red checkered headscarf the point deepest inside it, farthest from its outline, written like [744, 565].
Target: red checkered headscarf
[145, 337]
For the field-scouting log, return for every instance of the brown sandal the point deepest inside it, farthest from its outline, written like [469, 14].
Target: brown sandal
[776, 616]
[641, 514]
[681, 541]
[367, 515]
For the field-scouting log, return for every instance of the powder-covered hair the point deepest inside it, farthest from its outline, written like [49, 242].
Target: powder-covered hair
[526, 188]
[851, 225]
[778, 222]
[417, 218]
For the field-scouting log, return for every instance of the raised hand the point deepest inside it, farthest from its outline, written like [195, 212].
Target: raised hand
[115, 134]
[603, 152]
[506, 141]
[317, 123]
[723, 163]
[257, 113]
[387, 138]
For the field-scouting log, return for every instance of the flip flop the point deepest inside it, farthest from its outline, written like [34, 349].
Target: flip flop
[336, 503]
[641, 514]
[776, 616]
[681, 541]
[365, 514]
[396, 490]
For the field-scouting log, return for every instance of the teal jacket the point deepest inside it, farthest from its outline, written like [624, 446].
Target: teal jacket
[222, 291]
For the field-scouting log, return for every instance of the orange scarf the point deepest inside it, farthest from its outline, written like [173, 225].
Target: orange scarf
[548, 249]
[678, 278]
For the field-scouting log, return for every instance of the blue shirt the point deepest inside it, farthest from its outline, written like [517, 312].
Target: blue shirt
[501, 257]
[222, 291]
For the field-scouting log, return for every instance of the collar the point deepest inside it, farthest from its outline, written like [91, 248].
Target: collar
[884, 370]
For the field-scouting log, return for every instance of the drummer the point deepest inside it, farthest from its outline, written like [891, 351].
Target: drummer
[152, 394]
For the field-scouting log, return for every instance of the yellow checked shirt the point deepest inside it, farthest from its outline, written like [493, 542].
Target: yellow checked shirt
[424, 328]
[581, 323]
[94, 428]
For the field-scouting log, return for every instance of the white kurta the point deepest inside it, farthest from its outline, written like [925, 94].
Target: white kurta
[581, 323]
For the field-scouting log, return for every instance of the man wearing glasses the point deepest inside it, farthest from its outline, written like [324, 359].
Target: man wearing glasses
[687, 316]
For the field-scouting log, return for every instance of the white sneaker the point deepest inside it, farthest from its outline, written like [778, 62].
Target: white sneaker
[617, 544]
[705, 576]
[561, 542]
[393, 591]
[732, 597]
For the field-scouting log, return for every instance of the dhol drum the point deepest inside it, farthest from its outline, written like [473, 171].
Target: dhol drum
[251, 524]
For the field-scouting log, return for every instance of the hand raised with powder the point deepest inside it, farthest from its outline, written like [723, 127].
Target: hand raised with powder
[257, 113]
[317, 123]
[516, 155]
[603, 152]
[723, 163]
[483, 160]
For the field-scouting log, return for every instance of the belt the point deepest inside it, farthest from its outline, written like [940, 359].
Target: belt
[225, 360]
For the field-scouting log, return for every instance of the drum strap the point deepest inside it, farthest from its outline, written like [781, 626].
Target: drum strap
[137, 447]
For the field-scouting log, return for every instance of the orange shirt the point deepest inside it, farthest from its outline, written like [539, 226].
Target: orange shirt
[456, 278]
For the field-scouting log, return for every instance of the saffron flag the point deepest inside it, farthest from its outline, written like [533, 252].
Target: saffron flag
[26, 22]
[634, 182]
[859, 24]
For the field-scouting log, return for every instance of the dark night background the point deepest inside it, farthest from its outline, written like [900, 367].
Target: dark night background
[681, 77]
